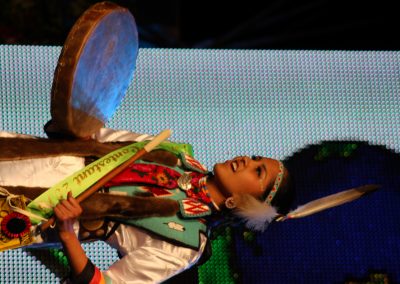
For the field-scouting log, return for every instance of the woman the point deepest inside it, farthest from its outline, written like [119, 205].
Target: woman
[170, 240]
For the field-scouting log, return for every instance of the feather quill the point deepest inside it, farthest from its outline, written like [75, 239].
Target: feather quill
[329, 201]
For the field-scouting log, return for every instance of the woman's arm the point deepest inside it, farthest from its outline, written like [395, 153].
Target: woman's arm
[83, 270]
[67, 212]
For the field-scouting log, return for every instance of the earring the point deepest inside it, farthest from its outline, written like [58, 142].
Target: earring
[230, 203]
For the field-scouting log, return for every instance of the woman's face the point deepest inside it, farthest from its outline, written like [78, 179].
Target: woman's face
[246, 175]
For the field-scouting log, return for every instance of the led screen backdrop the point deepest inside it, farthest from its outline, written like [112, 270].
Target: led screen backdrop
[333, 115]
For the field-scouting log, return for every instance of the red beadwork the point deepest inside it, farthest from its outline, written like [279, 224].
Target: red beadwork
[15, 216]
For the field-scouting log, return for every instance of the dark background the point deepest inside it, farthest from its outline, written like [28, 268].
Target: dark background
[306, 24]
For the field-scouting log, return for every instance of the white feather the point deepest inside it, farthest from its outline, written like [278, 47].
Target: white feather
[330, 201]
[256, 214]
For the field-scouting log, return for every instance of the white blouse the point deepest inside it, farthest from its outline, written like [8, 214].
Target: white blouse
[146, 258]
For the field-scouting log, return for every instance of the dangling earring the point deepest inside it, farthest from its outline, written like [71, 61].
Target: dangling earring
[230, 203]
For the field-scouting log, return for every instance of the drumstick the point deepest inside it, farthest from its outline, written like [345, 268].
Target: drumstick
[91, 190]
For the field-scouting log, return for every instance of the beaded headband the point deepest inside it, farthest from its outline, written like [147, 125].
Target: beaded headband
[277, 183]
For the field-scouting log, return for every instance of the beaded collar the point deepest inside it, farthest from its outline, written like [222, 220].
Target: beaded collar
[198, 188]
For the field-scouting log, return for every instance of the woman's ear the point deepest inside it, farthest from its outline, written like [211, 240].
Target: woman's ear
[230, 203]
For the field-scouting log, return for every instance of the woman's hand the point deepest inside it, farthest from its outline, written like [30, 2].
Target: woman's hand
[67, 212]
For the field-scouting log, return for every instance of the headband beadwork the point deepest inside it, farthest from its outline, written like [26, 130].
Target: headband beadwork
[277, 183]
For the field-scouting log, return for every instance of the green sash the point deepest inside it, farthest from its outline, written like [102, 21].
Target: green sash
[86, 177]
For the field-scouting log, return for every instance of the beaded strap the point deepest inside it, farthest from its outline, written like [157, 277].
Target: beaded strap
[277, 183]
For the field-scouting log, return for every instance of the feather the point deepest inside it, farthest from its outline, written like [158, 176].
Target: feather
[256, 214]
[330, 201]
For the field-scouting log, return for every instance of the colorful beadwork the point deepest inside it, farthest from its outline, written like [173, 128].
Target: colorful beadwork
[277, 183]
[15, 225]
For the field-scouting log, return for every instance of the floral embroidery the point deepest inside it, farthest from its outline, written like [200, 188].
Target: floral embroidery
[146, 174]
[156, 179]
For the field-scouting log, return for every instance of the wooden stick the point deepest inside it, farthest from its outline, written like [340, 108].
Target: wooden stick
[101, 182]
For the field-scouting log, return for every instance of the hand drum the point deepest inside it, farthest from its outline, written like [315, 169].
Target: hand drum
[94, 70]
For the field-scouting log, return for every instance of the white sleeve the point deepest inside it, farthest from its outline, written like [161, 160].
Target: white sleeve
[42, 172]
[6, 134]
[149, 259]
[110, 135]
[47, 171]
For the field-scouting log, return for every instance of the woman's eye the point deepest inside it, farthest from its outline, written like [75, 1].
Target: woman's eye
[258, 171]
